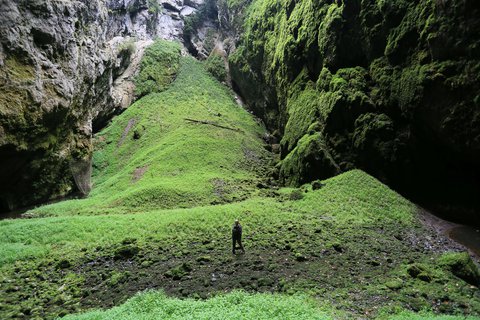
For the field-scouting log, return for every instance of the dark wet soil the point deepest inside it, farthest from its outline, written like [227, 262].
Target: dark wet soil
[20, 212]
[467, 236]
[16, 214]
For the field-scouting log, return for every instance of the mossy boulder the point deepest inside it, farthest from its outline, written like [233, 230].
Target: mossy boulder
[309, 159]
[179, 271]
[395, 284]
[420, 271]
[461, 265]
[215, 64]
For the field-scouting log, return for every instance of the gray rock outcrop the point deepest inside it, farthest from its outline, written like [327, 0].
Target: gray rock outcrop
[65, 68]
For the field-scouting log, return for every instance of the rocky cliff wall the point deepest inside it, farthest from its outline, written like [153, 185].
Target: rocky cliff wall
[391, 87]
[65, 68]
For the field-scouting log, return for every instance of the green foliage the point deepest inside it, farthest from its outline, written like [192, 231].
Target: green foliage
[154, 7]
[215, 64]
[236, 305]
[158, 67]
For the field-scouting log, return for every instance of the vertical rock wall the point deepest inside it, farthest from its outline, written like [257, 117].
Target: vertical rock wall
[65, 68]
[391, 87]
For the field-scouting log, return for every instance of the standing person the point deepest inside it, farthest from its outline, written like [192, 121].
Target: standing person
[237, 236]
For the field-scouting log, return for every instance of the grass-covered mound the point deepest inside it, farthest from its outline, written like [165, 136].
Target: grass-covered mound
[155, 156]
[353, 198]
[166, 193]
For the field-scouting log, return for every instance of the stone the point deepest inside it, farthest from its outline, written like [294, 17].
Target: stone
[395, 284]
[414, 270]
[317, 185]
[462, 266]
[187, 11]
[64, 264]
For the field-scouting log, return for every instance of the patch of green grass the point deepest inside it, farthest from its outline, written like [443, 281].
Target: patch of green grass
[236, 305]
[158, 67]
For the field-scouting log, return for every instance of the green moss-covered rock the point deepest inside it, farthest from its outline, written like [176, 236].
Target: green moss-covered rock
[179, 271]
[309, 159]
[391, 85]
[126, 251]
[461, 265]
[215, 64]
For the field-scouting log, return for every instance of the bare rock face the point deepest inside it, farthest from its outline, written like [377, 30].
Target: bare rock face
[65, 68]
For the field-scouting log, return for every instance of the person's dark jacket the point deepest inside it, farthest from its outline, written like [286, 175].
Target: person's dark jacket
[237, 231]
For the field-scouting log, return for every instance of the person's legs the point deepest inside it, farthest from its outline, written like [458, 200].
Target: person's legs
[241, 245]
[233, 245]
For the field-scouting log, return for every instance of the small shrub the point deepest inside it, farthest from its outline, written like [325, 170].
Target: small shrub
[128, 47]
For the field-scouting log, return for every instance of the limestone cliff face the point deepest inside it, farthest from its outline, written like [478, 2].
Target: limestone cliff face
[391, 87]
[65, 68]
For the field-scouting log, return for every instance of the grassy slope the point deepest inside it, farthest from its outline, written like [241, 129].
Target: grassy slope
[186, 164]
[353, 198]
[348, 244]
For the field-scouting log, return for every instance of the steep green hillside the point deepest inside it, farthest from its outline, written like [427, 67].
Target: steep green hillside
[156, 156]
[391, 87]
[166, 191]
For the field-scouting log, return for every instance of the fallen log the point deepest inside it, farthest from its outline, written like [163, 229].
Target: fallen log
[212, 124]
